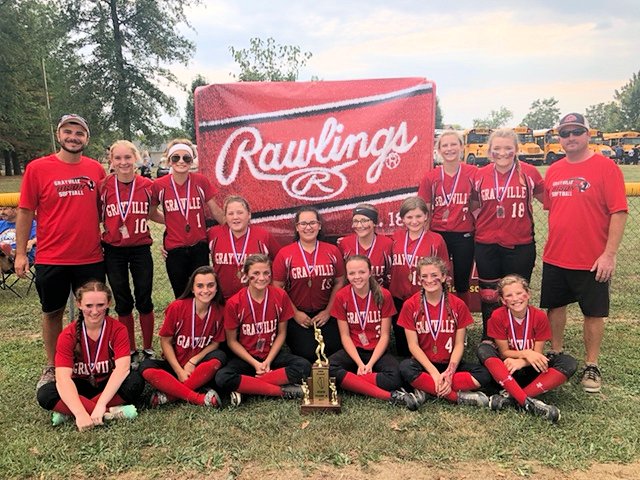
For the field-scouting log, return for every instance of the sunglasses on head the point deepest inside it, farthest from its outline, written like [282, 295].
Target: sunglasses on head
[576, 132]
[185, 158]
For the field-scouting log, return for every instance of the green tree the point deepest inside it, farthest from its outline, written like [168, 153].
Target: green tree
[188, 122]
[604, 116]
[267, 61]
[438, 114]
[495, 119]
[126, 45]
[543, 113]
[628, 101]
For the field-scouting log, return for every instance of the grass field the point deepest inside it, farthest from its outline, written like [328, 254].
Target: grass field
[368, 440]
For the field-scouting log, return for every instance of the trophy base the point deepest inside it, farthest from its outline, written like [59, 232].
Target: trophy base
[320, 408]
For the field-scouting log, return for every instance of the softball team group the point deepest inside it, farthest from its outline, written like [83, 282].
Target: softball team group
[224, 336]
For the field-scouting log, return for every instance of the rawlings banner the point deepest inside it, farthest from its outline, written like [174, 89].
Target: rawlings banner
[327, 144]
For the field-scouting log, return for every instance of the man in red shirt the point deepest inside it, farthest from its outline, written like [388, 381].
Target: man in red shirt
[585, 196]
[62, 189]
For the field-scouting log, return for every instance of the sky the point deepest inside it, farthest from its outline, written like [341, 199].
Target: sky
[481, 54]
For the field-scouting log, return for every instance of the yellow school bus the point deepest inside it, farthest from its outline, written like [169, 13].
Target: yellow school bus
[548, 140]
[476, 144]
[528, 150]
[597, 144]
[627, 140]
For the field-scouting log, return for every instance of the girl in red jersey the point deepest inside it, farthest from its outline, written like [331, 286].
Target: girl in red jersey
[190, 336]
[93, 376]
[365, 241]
[364, 310]
[447, 191]
[183, 196]
[255, 321]
[409, 245]
[126, 201]
[504, 190]
[312, 272]
[232, 242]
[435, 324]
[516, 359]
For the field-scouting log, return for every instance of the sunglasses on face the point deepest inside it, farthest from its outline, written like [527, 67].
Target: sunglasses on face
[185, 158]
[575, 132]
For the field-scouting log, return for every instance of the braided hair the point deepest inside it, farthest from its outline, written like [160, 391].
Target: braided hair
[441, 265]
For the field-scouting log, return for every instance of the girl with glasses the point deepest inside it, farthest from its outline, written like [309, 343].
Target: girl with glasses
[435, 324]
[447, 191]
[184, 197]
[409, 246]
[232, 242]
[504, 190]
[365, 241]
[312, 272]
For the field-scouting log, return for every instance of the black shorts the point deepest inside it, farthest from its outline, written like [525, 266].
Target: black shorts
[562, 286]
[54, 282]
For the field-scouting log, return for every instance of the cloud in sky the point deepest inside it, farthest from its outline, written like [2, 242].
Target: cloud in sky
[482, 55]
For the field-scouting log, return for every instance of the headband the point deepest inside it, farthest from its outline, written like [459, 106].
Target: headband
[179, 146]
[367, 212]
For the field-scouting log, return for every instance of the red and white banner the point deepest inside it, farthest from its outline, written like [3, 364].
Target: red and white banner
[327, 144]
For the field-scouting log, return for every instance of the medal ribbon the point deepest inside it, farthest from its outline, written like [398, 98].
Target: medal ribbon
[124, 214]
[415, 249]
[183, 211]
[264, 308]
[448, 198]
[362, 316]
[193, 323]
[92, 362]
[525, 334]
[369, 251]
[311, 269]
[239, 258]
[497, 188]
[434, 331]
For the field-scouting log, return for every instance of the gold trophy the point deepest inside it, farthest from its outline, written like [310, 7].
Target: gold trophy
[319, 390]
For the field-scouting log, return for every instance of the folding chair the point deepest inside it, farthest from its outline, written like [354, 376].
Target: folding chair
[8, 277]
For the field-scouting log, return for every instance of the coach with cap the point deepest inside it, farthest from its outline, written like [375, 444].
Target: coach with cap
[585, 196]
[62, 189]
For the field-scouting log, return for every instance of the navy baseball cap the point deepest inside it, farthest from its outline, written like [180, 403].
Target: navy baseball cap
[573, 120]
[73, 118]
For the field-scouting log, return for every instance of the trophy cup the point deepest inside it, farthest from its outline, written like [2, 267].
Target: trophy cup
[319, 390]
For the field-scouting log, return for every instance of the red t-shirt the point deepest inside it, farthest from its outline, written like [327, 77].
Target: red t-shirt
[136, 219]
[191, 333]
[581, 197]
[450, 207]
[432, 245]
[65, 199]
[289, 267]
[257, 328]
[412, 317]
[73, 354]
[225, 262]
[379, 254]
[508, 222]
[200, 191]
[537, 330]
[345, 310]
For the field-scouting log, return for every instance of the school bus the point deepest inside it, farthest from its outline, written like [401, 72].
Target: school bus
[476, 145]
[548, 140]
[528, 150]
[597, 144]
[627, 140]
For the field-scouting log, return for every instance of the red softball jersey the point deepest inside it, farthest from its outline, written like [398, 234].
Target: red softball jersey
[134, 199]
[412, 317]
[363, 316]
[505, 216]
[228, 262]
[65, 199]
[191, 333]
[257, 322]
[520, 334]
[308, 284]
[379, 254]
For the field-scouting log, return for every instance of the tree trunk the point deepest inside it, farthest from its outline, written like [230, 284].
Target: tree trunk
[16, 163]
[8, 170]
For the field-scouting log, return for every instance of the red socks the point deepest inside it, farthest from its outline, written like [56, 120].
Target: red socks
[359, 384]
[544, 382]
[62, 408]
[257, 386]
[426, 383]
[501, 374]
[146, 326]
[203, 374]
[167, 383]
[275, 377]
[127, 321]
